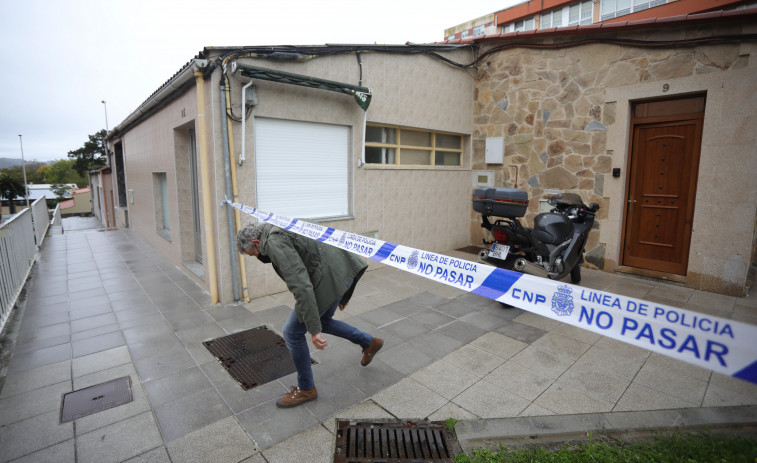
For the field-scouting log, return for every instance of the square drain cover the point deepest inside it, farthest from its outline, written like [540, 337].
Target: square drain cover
[253, 357]
[95, 399]
[394, 442]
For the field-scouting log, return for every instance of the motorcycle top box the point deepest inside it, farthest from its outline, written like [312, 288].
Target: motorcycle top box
[500, 201]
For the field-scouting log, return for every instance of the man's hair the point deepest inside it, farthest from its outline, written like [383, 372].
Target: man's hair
[251, 231]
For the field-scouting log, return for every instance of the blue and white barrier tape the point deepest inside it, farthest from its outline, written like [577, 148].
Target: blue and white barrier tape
[719, 344]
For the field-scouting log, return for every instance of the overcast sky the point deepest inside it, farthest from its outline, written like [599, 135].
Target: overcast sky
[61, 58]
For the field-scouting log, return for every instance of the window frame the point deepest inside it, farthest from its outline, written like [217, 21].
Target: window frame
[398, 146]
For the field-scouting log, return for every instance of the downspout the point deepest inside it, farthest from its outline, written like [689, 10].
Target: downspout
[227, 174]
[235, 198]
[205, 181]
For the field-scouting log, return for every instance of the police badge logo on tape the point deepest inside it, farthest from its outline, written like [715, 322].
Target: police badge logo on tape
[562, 301]
[412, 261]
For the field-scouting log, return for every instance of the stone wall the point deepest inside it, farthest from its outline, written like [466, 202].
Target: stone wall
[552, 108]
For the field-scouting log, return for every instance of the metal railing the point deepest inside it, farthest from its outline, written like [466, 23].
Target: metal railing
[40, 219]
[56, 219]
[17, 254]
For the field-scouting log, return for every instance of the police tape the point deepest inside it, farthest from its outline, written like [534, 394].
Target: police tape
[719, 344]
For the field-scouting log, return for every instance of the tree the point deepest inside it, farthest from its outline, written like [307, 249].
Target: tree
[91, 155]
[10, 189]
[63, 171]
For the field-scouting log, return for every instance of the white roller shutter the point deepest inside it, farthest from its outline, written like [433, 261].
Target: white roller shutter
[302, 168]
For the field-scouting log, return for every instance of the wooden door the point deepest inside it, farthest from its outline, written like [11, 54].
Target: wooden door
[661, 190]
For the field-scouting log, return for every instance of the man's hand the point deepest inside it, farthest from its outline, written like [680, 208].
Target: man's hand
[319, 342]
[343, 306]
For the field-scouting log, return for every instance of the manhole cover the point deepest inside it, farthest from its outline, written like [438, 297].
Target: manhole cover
[394, 442]
[253, 357]
[95, 399]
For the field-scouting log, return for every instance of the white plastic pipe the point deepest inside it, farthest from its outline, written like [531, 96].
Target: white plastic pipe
[244, 124]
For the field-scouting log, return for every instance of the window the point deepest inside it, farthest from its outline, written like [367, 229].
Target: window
[412, 147]
[160, 201]
[525, 24]
[479, 30]
[614, 8]
[551, 19]
[580, 13]
[302, 168]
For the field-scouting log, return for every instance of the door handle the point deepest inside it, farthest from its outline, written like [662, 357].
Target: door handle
[631, 201]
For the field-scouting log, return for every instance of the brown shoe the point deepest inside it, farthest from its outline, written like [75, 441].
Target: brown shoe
[371, 350]
[297, 397]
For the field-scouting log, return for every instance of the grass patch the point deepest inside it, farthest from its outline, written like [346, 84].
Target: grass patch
[450, 423]
[671, 448]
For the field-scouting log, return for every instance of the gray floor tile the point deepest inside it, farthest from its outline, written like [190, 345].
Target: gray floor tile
[25, 361]
[45, 332]
[156, 455]
[427, 299]
[268, 425]
[97, 344]
[119, 441]
[90, 333]
[520, 331]
[159, 365]
[89, 310]
[407, 358]
[41, 343]
[181, 417]
[223, 441]
[99, 361]
[461, 331]
[379, 317]
[435, 344]
[33, 321]
[34, 434]
[62, 452]
[406, 329]
[371, 379]
[334, 394]
[232, 393]
[94, 321]
[34, 379]
[175, 386]
[432, 318]
[32, 403]
[454, 308]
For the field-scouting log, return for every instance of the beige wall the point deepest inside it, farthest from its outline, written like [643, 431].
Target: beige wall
[566, 125]
[149, 148]
[420, 207]
[423, 207]
[82, 204]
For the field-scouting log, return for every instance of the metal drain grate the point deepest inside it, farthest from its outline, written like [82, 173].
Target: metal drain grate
[358, 442]
[253, 357]
[95, 399]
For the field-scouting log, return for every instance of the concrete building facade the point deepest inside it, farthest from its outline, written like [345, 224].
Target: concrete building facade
[405, 167]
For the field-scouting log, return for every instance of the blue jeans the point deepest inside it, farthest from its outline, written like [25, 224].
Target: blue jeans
[294, 334]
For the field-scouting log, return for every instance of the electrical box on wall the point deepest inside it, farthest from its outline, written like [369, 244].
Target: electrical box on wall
[483, 178]
[495, 150]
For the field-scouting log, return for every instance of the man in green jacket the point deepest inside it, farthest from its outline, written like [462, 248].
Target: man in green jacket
[321, 278]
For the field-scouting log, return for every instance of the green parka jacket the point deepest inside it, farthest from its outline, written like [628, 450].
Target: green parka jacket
[317, 274]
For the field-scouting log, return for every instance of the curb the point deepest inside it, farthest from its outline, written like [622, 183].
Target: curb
[553, 431]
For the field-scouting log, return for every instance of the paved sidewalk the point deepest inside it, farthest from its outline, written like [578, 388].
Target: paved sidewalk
[102, 304]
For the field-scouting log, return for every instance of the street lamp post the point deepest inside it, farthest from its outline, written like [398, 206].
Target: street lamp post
[23, 168]
[105, 105]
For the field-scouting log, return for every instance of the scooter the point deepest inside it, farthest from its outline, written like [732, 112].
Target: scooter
[553, 248]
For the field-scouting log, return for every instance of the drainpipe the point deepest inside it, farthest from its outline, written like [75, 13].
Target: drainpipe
[235, 198]
[227, 174]
[205, 180]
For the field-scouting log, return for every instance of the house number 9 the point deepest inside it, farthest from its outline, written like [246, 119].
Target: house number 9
[665, 87]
